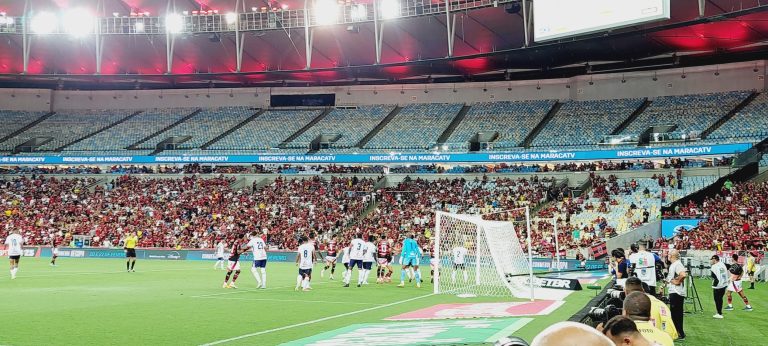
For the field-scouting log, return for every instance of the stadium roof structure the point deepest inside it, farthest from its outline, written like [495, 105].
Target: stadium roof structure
[489, 43]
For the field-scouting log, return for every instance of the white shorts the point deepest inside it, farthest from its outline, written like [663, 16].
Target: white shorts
[382, 261]
[55, 251]
[330, 259]
[233, 265]
[735, 286]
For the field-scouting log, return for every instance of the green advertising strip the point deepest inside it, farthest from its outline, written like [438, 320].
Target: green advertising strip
[418, 333]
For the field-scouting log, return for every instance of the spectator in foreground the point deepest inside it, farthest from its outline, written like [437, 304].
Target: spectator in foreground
[570, 334]
[623, 331]
[637, 306]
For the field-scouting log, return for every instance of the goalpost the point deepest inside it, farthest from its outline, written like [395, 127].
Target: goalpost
[494, 263]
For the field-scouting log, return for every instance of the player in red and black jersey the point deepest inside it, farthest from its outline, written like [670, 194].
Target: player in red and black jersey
[54, 250]
[332, 251]
[384, 255]
[238, 248]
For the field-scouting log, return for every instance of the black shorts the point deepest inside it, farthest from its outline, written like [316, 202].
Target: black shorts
[751, 273]
[15, 258]
[305, 272]
[367, 265]
[130, 253]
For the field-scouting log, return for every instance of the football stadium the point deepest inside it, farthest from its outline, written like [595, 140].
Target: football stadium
[383, 172]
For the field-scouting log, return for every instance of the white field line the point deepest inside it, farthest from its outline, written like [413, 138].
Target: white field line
[290, 300]
[245, 336]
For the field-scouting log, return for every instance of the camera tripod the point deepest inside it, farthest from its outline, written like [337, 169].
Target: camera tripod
[692, 294]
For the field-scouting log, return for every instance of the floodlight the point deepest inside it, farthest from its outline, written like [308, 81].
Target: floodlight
[326, 11]
[44, 23]
[115, 14]
[78, 22]
[230, 18]
[139, 26]
[359, 13]
[390, 9]
[174, 23]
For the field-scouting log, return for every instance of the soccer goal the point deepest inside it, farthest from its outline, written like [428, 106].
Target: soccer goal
[476, 257]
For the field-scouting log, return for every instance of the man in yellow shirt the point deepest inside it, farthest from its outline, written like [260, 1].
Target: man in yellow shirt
[751, 268]
[130, 251]
[661, 317]
[637, 306]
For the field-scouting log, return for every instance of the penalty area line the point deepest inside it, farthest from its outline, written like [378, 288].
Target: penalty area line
[245, 336]
[290, 300]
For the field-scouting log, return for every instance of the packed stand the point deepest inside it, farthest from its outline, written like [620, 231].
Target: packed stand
[733, 219]
[188, 211]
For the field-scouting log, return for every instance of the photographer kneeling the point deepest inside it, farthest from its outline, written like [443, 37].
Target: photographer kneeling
[661, 316]
[637, 306]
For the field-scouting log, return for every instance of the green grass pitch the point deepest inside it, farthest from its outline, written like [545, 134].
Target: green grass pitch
[95, 302]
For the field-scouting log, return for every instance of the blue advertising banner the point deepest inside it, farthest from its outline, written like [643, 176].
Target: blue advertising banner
[670, 227]
[532, 156]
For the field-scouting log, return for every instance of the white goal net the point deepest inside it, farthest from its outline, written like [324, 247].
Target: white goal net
[477, 257]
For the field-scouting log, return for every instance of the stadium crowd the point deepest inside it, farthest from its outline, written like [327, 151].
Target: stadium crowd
[197, 168]
[189, 211]
[734, 219]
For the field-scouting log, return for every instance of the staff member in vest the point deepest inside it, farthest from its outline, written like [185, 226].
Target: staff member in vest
[677, 292]
[719, 283]
[130, 251]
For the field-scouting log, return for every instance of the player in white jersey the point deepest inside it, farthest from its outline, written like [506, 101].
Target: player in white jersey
[368, 258]
[345, 262]
[305, 259]
[459, 254]
[13, 245]
[356, 253]
[219, 255]
[259, 249]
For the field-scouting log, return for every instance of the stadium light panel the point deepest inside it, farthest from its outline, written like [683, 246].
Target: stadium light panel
[326, 11]
[44, 23]
[230, 18]
[390, 9]
[139, 26]
[78, 22]
[174, 23]
[358, 13]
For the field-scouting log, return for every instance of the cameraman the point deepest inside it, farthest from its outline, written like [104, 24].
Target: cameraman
[619, 264]
[643, 264]
[637, 306]
[677, 290]
[660, 314]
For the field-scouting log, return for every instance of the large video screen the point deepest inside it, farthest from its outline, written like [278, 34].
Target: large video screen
[555, 19]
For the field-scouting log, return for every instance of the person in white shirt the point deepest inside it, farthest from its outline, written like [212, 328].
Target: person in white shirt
[368, 258]
[259, 249]
[13, 243]
[719, 275]
[305, 259]
[677, 291]
[219, 255]
[644, 267]
[356, 253]
[459, 254]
